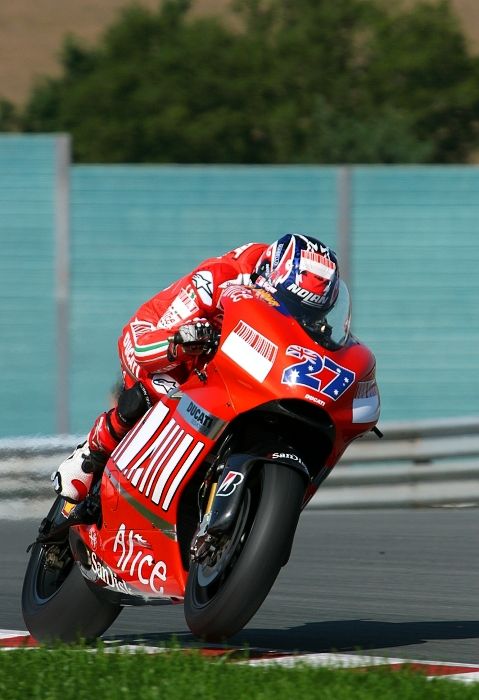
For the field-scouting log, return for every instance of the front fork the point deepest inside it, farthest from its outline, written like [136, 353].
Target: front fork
[225, 496]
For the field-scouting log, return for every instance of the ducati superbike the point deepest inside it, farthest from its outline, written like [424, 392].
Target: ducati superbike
[200, 501]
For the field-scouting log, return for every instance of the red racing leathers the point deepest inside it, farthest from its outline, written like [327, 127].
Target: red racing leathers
[144, 346]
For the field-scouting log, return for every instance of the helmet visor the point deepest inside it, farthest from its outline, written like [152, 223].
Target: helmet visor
[330, 328]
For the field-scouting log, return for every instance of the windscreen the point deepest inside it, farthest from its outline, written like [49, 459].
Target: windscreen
[328, 328]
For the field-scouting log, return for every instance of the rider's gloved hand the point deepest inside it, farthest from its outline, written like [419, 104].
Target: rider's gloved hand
[194, 338]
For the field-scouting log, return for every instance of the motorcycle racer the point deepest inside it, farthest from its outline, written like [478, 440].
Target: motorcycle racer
[171, 334]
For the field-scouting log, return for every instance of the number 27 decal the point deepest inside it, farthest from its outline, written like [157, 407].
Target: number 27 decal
[307, 372]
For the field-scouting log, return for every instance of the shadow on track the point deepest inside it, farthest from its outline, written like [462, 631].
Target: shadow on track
[332, 636]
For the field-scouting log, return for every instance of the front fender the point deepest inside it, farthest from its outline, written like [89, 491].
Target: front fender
[232, 482]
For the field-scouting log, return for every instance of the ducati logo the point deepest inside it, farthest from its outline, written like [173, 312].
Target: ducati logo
[229, 483]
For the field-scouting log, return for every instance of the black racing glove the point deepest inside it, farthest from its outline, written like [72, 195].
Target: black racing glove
[195, 338]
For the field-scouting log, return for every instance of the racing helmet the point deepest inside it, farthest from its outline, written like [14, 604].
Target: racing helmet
[302, 273]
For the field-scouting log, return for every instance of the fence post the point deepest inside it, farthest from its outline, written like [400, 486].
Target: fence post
[344, 190]
[62, 279]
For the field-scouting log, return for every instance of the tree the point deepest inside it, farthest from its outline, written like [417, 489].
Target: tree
[420, 65]
[303, 81]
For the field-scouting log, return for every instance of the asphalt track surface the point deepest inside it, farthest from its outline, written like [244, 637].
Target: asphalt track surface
[402, 583]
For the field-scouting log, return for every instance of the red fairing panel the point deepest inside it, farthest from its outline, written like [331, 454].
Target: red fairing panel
[263, 355]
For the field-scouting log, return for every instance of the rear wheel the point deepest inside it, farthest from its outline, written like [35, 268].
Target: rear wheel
[57, 604]
[225, 590]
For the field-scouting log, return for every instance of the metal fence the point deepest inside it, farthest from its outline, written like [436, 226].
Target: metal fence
[83, 246]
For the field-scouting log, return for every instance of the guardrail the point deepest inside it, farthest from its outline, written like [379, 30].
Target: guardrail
[420, 463]
[429, 462]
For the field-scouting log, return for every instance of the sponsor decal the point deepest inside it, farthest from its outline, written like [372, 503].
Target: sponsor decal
[230, 483]
[181, 308]
[139, 564]
[93, 537]
[264, 284]
[68, 508]
[251, 350]
[237, 293]
[304, 294]
[266, 296]
[139, 327]
[287, 455]
[201, 420]
[274, 252]
[108, 576]
[155, 452]
[317, 372]
[164, 383]
[203, 282]
[310, 397]
[198, 415]
[129, 355]
[317, 264]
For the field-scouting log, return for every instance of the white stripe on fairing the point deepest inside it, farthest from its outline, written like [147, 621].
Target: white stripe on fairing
[119, 449]
[181, 474]
[246, 357]
[135, 470]
[170, 467]
[164, 439]
[177, 436]
[155, 419]
[366, 410]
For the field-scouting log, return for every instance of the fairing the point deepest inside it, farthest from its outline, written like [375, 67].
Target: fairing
[149, 489]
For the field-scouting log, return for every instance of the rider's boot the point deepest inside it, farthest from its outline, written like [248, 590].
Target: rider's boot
[74, 476]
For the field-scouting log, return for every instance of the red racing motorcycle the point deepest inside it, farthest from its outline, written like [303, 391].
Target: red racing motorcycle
[199, 503]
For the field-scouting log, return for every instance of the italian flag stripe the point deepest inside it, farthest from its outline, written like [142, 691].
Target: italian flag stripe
[153, 348]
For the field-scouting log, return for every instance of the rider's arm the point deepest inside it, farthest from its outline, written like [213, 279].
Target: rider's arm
[145, 341]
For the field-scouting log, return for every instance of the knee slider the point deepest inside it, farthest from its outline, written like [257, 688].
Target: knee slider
[133, 403]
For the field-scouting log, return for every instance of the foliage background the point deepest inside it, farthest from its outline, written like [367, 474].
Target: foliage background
[309, 81]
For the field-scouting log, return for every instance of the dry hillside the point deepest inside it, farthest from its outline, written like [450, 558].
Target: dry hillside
[31, 33]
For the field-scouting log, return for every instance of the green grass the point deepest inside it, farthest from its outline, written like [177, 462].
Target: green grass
[80, 674]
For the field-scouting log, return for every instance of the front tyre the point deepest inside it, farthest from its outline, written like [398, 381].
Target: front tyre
[222, 597]
[57, 604]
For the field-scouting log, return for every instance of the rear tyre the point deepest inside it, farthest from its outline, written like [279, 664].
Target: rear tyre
[221, 597]
[57, 604]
